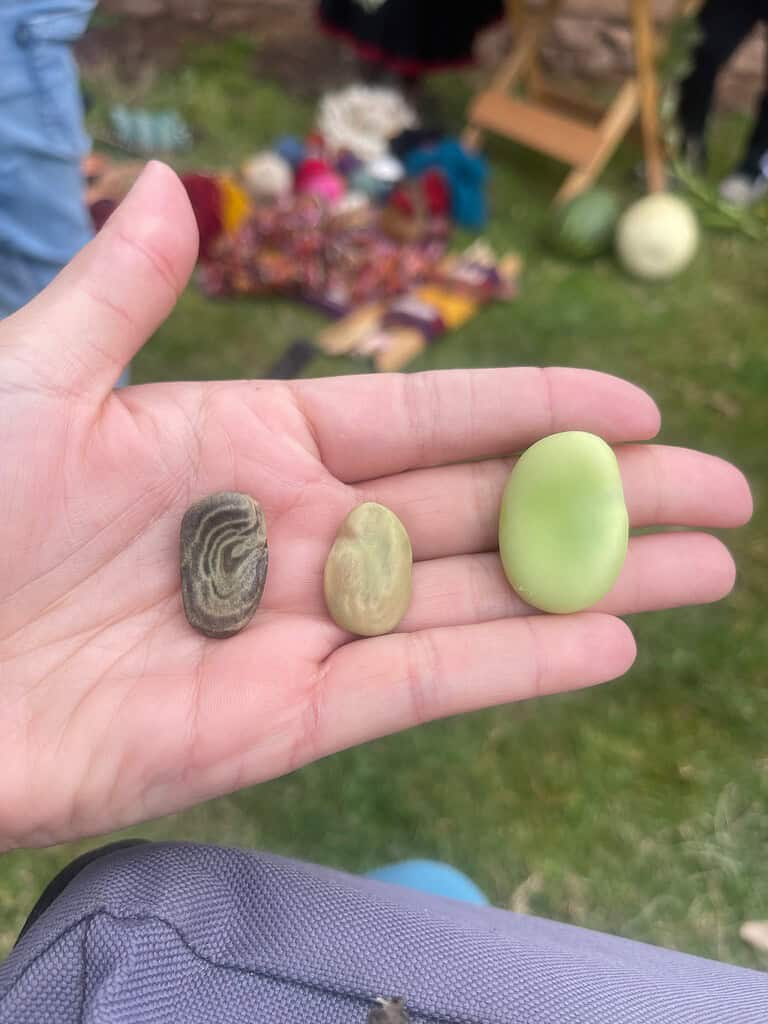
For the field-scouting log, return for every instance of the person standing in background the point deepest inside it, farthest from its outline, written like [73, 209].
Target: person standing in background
[724, 25]
[408, 38]
[43, 217]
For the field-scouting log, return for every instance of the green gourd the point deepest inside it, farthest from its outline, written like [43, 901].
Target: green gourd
[583, 227]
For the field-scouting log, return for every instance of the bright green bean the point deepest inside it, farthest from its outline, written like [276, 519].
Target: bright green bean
[563, 527]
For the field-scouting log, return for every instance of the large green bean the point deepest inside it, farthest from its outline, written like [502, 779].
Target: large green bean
[563, 526]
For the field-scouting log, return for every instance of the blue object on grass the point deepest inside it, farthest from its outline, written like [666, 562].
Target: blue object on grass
[467, 175]
[433, 877]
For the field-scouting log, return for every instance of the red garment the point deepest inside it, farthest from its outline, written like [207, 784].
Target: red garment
[101, 211]
[430, 193]
[204, 195]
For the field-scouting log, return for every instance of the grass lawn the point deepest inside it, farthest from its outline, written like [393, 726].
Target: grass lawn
[641, 807]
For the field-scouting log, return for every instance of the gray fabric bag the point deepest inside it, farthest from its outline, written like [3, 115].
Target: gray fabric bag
[179, 933]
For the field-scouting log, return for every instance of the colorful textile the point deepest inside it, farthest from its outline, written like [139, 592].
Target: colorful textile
[297, 247]
[395, 332]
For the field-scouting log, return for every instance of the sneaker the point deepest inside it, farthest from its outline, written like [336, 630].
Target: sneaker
[746, 186]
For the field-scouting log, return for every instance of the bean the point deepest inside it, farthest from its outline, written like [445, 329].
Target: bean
[224, 558]
[367, 579]
[563, 527]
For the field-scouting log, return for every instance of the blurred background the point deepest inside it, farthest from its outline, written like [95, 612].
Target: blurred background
[641, 807]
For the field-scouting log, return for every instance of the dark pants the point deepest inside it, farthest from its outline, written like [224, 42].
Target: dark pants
[725, 24]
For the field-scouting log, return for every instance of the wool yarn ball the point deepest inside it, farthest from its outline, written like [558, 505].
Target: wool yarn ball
[291, 149]
[316, 177]
[267, 176]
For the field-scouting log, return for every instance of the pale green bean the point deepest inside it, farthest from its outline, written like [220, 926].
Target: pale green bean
[563, 527]
[367, 578]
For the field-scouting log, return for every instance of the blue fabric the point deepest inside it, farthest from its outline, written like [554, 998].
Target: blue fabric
[431, 876]
[467, 175]
[43, 219]
[188, 934]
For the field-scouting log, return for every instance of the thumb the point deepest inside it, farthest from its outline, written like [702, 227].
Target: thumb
[78, 334]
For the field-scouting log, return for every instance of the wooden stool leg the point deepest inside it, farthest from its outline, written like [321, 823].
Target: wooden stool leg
[520, 61]
[508, 73]
[471, 138]
[612, 130]
[645, 51]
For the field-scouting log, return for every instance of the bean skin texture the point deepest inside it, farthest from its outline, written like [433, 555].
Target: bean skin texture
[224, 560]
[367, 579]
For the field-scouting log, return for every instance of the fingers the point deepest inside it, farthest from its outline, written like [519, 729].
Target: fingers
[374, 687]
[454, 509]
[661, 571]
[680, 487]
[670, 570]
[78, 335]
[367, 427]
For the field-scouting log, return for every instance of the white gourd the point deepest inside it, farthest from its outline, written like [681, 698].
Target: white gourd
[657, 237]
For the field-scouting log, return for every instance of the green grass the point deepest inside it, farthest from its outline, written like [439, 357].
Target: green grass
[641, 807]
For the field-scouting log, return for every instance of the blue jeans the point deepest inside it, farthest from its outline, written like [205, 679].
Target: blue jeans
[43, 219]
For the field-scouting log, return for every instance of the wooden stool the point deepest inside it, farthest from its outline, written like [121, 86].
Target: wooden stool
[574, 131]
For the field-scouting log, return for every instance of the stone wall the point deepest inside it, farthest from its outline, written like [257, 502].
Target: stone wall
[591, 39]
[219, 14]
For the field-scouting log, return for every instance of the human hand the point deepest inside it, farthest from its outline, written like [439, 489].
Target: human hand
[113, 710]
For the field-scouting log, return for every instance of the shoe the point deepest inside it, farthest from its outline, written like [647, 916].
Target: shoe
[746, 186]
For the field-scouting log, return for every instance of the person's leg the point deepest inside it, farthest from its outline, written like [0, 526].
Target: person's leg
[724, 25]
[59, 883]
[44, 220]
[178, 931]
[749, 182]
[757, 146]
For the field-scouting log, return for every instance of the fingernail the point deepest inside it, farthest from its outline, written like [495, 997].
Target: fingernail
[144, 180]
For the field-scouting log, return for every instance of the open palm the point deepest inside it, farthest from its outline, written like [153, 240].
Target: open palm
[112, 709]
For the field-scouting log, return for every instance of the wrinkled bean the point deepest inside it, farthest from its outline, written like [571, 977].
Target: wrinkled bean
[367, 579]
